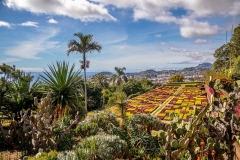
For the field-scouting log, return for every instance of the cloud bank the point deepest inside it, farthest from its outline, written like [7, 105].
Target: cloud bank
[77, 9]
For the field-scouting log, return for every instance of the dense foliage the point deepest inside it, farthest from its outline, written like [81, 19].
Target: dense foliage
[176, 78]
[63, 83]
[227, 55]
[16, 91]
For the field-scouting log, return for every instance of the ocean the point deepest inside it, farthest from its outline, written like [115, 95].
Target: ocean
[37, 74]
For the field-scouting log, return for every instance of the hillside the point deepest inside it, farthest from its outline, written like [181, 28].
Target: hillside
[185, 71]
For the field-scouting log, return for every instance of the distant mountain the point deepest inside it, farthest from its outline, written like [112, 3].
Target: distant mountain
[205, 65]
[148, 73]
[186, 71]
[106, 73]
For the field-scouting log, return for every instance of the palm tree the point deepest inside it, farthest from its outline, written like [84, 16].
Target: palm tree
[62, 83]
[86, 44]
[121, 99]
[113, 78]
[121, 76]
[101, 80]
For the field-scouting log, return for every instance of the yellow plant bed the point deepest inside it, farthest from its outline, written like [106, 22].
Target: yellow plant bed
[115, 109]
[162, 114]
[150, 110]
[167, 118]
[198, 102]
[168, 111]
[128, 114]
[190, 103]
[131, 109]
[176, 111]
[175, 107]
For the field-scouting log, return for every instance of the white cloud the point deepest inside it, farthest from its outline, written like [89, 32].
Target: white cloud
[158, 35]
[185, 50]
[5, 24]
[9, 60]
[77, 9]
[162, 12]
[235, 9]
[111, 36]
[201, 41]
[199, 55]
[31, 48]
[29, 24]
[52, 21]
[196, 8]
[191, 28]
[174, 49]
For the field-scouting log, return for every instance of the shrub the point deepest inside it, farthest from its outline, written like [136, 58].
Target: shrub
[102, 147]
[67, 155]
[97, 122]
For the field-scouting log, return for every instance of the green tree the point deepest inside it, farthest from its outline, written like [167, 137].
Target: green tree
[235, 71]
[176, 78]
[94, 96]
[222, 62]
[120, 76]
[113, 78]
[62, 82]
[132, 86]
[227, 54]
[16, 90]
[120, 101]
[85, 45]
[101, 80]
[106, 95]
[146, 84]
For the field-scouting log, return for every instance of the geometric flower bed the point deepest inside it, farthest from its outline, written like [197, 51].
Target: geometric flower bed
[182, 104]
[146, 103]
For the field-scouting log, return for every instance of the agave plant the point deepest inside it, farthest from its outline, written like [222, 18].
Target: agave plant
[63, 83]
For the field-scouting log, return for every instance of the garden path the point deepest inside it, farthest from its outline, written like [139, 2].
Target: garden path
[161, 106]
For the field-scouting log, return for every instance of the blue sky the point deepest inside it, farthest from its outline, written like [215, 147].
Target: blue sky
[136, 34]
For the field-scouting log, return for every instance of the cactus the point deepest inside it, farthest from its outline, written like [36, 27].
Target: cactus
[223, 126]
[39, 129]
[180, 136]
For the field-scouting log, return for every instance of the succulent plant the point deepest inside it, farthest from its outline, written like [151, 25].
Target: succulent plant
[39, 129]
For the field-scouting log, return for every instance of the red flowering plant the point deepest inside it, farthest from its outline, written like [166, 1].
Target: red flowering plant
[58, 113]
[211, 90]
[237, 108]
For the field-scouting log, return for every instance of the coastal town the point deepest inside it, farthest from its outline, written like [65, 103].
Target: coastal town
[190, 74]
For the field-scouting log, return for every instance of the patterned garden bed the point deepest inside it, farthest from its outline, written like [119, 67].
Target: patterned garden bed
[148, 102]
[182, 104]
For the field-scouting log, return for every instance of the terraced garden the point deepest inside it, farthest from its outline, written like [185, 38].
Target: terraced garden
[166, 99]
[148, 102]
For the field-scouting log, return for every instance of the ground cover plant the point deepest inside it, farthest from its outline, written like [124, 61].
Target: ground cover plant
[171, 99]
[182, 104]
[148, 102]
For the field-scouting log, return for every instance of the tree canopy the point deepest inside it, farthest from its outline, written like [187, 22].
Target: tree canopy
[176, 78]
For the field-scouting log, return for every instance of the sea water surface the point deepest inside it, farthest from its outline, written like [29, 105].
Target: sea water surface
[37, 74]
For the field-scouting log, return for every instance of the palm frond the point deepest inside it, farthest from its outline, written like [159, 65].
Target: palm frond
[61, 82]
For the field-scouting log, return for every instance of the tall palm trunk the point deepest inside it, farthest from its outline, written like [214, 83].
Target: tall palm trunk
[85, 79]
